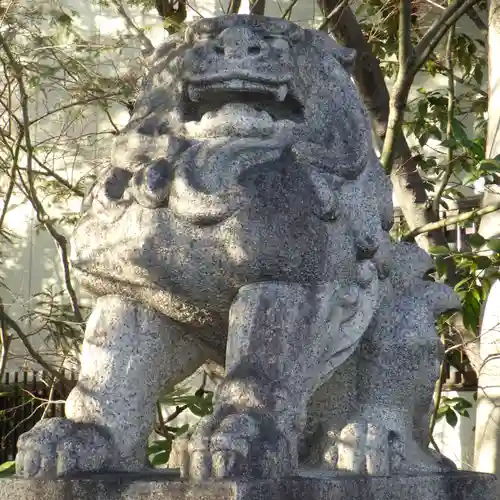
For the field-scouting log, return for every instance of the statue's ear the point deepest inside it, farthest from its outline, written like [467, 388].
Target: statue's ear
[346, 57]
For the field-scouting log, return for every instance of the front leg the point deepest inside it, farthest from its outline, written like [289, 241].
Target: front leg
[283, 341]
[129, 353]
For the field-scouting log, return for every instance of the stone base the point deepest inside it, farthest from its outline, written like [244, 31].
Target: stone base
[306, 486]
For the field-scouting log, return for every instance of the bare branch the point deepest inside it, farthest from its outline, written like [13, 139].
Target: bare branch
[13, 325]
[42, 216]
[289, 9]
[399, 93]
[449, 125]
[234, 7]
[455, 219]
[146, 42]
[257, 7]
[437, 31]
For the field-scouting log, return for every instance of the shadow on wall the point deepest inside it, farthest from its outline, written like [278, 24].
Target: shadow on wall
[457, 443]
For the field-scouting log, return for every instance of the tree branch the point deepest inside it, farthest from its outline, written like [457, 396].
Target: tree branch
[234, 6]
[455, 219]
[5, 340]
[408, 185]
[476, 19]
[437, 31]
[289, 9]
[257, 7]
[449, 125]
[399, 94]
[146, 42]
[42, 216]
[12, 324]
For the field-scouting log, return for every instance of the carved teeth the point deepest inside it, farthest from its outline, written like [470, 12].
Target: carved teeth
[282, 92]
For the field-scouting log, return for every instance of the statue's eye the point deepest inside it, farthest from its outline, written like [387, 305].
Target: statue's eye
[205, 36]
[277, 41]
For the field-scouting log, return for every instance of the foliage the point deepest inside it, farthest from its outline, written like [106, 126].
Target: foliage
[450, 408]
[7, 468]
[199, 404]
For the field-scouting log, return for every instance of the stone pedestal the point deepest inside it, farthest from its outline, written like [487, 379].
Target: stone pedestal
[306, 486]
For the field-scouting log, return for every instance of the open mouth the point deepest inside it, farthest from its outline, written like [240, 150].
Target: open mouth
[276, 100]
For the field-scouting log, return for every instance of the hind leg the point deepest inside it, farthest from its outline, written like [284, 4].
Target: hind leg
[129, 353]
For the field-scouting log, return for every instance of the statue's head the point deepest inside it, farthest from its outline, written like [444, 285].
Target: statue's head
[248, 86]
[255, 77]
[248, 137]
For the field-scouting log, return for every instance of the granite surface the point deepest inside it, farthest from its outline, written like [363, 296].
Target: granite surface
[312, 486]
[243, 217]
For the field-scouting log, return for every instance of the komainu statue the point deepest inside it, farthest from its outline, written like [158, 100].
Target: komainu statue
[243, 217]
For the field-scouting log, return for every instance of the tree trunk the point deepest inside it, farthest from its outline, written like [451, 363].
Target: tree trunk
[487, 436]
[408, 186]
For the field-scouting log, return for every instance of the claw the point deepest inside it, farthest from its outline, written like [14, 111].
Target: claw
[20, 464]
[31, 463]
[200, 465]
[377, 451]
[224, 463]
[352, 448]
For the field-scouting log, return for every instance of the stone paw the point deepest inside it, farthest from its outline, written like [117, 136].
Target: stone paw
[238, 445]
[366, 447]
[58, 447]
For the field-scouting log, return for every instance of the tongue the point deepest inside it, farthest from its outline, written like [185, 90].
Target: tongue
[235, 119]
[237, 110]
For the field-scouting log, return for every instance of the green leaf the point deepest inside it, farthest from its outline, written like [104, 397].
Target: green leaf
[483, 262]
[461, 283]
[476, 240]
[441, 412]
[489, 165]
[159, 446]
[459, 132]
[451, 417]
[160, 459]
[201, 410]
[461, 404]
[494, 244]
[7, 468]
[449, 143]
[180, 430]
[439, 250]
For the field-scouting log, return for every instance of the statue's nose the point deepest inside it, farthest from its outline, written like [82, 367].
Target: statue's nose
[239, 42]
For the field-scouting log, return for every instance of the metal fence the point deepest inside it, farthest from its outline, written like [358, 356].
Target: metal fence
[26, 397]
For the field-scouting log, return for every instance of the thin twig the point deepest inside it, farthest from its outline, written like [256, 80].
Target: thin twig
[234, 7]
[333, 13]
[289, 9]
[399, 92]
[450, 115]
[146, 42]
[81, 102]
[437, 403]
[42, 216]
[455, 219]
[12, 324]
[5, 340]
